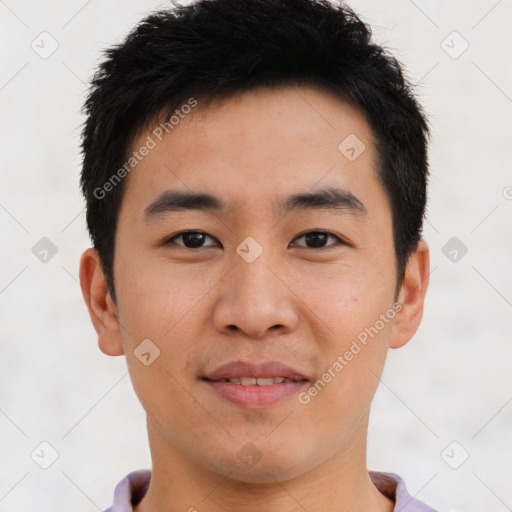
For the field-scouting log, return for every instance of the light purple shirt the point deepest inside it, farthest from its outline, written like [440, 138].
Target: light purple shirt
[132, 488]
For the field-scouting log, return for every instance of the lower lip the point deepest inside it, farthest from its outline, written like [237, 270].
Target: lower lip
[255, 396]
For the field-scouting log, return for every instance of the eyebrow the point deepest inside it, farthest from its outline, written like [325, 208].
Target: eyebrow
[325, 199]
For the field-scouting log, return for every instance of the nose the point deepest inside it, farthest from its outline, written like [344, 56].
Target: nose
[254, 300]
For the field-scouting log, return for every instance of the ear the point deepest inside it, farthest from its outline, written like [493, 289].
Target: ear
[102, 309]
[411, 296]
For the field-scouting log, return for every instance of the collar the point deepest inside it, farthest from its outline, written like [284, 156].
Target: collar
[132, 488]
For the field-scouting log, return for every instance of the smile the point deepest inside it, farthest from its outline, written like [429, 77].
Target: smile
[256, 381]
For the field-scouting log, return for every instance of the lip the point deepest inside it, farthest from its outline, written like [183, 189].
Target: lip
[261, 369]
[254, 397]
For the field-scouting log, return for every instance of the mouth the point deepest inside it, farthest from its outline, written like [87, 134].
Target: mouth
[255, 385]
[258, 381]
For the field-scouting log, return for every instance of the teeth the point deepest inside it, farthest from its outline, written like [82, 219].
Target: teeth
[260, 381]
[265, 381]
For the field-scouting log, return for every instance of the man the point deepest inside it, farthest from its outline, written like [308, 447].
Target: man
[255, 175]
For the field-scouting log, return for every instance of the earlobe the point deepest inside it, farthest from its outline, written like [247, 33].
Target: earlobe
[412, 296]
[102, 310]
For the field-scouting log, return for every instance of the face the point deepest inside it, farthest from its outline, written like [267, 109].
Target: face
[253, 284]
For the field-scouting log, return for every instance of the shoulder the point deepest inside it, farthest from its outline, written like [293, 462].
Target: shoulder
[392, 486]
[130, 490]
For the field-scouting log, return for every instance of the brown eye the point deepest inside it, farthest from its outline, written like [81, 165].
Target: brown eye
[190, 239]
[318, 239]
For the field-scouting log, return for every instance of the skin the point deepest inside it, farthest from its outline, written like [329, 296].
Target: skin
[300, 305]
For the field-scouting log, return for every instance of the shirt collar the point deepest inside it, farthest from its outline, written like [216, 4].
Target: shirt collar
[132, 488]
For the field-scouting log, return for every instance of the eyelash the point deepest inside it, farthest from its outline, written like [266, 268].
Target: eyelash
[340, 241]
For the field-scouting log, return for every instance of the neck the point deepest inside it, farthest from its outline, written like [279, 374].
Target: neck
[340, 483]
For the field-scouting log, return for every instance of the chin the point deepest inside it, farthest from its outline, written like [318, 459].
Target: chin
[263, 474]
[252, 466]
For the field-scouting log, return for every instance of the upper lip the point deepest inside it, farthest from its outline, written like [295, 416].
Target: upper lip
[257, 369]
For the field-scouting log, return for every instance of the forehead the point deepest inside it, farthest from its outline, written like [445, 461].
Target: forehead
[255, 147]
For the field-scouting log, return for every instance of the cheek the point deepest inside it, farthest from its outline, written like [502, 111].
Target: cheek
[346, 297]
[343, 392]
[355, 311]
[156, 299]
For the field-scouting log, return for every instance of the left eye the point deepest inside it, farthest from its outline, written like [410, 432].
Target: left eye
[196, 239]
[318, 239]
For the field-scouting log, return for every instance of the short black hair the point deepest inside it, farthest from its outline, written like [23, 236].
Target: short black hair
[213, 48]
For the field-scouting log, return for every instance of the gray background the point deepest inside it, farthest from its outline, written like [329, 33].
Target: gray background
[452, 382]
